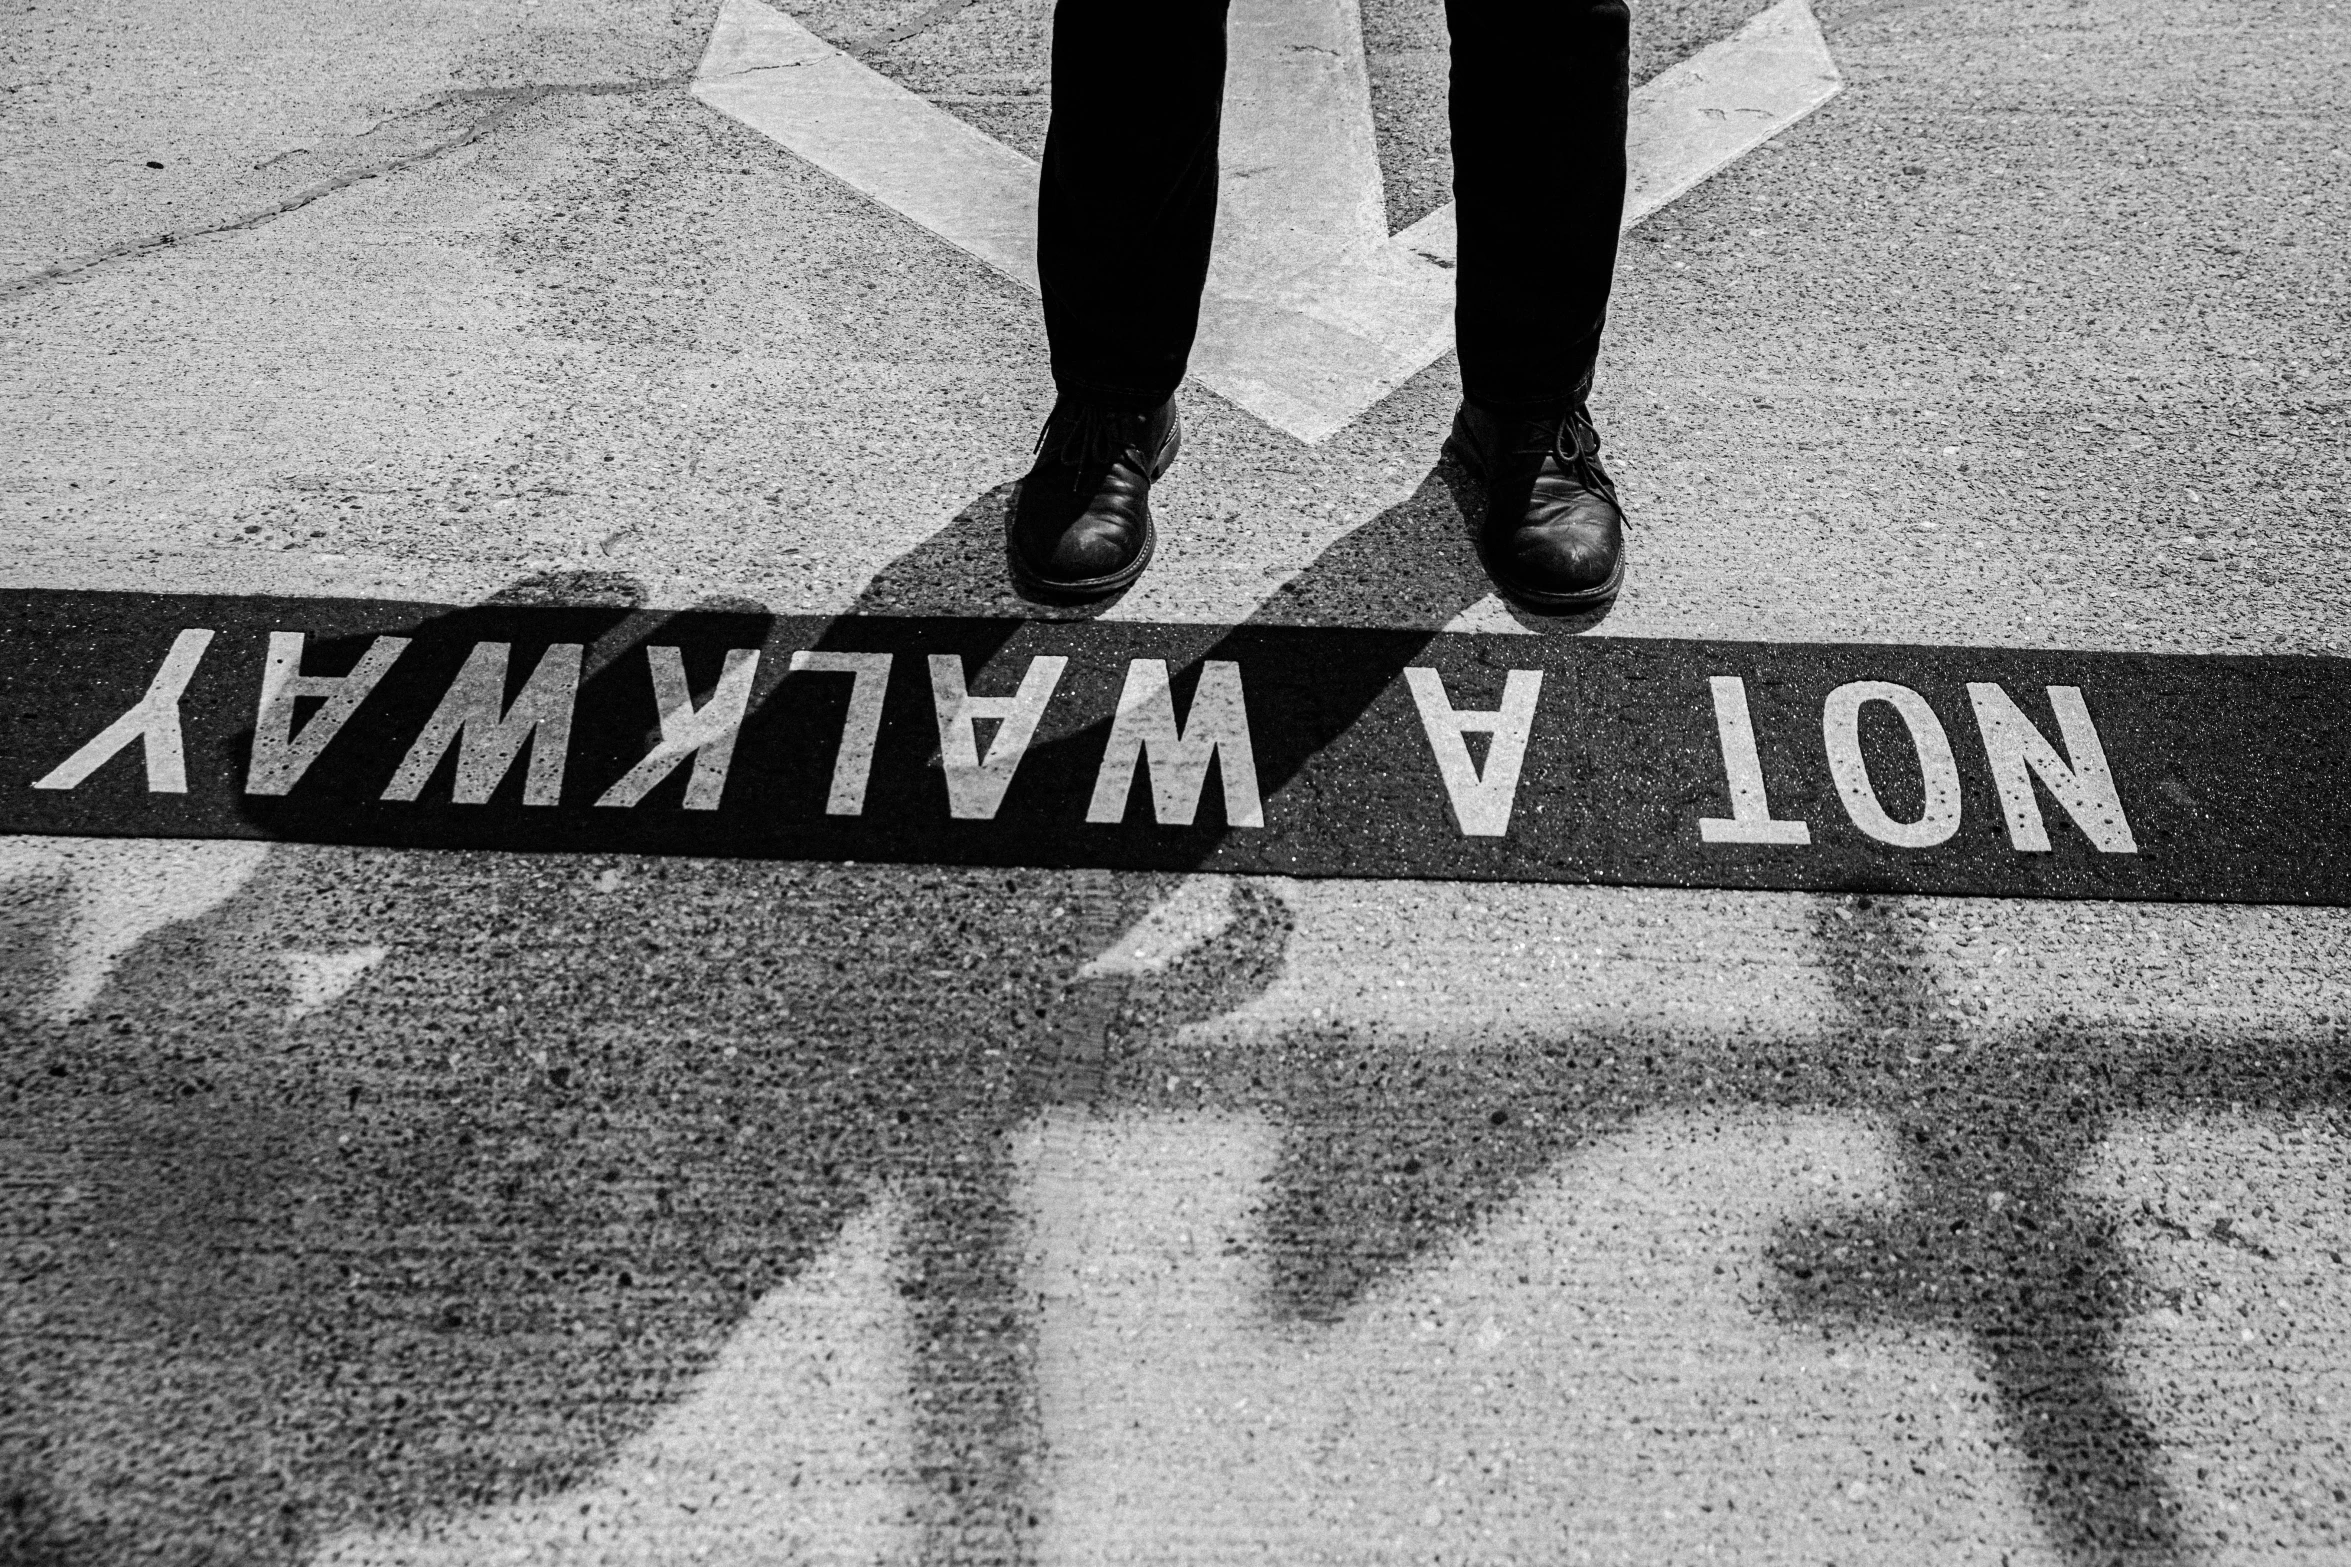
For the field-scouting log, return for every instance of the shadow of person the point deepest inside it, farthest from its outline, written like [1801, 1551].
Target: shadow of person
[1993, 1238]
[960, 570]
[1414, 565]
[1381, 1165]
[451, 1240]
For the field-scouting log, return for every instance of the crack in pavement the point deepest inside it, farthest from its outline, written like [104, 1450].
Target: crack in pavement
[882, 38]
[504, 104]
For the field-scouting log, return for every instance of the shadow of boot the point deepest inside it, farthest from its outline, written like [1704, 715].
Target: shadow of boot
[961, 570]
[1411, 565]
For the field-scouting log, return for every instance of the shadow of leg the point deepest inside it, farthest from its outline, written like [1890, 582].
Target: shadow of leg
[960, 570]
[1411, 565]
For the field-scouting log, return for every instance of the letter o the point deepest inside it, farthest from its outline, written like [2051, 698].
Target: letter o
[1840, 732]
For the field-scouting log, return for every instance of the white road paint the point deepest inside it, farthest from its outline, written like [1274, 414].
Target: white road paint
[317, 980]
[1314, 313]
[281, 753]
[1724, 102]
[490, 732]
[1592, 1374]
[797, 1446]
[2079, 780]
[1145, 725]
[1186, 919]
[976, 783]
[1840, 731]
[119, 891]
[1481, 796]
[860, 730]
[1299, 166]
[706, 733]
[153, 722]
[1750, 820]
[777, 77]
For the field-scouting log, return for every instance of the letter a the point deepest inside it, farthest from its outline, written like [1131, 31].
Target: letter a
[1146, 721]
[154, 721]
[281, 755]
[975, 788]
[1481, 800]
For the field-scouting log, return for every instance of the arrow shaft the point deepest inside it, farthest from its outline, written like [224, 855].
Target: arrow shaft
[1300, 169]
[1310, 317]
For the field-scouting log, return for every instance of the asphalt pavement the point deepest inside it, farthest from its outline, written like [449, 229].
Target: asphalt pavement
[375, 1204]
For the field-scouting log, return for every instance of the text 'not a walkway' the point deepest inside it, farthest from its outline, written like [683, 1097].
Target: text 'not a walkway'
[1258, 749]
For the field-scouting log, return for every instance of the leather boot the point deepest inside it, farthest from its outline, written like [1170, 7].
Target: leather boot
[1552, 535]
[1080, 527]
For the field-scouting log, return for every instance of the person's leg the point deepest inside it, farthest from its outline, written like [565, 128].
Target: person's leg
[1127, 204]
[1126, 209]
[1538, 106]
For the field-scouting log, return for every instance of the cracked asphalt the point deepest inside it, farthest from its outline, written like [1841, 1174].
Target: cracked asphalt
[381, 1206]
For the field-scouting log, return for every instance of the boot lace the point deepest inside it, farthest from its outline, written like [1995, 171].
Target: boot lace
[1576, 449]
[1573, 443]
[1085, 435]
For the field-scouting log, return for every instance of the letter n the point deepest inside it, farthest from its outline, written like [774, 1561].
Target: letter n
[2080, 781]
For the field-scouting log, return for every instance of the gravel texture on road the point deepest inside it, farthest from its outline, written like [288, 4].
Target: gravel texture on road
[379, 1206]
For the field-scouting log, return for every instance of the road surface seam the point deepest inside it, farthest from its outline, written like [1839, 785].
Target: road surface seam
[507, 102]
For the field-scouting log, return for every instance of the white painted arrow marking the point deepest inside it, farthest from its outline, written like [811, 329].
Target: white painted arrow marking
[1299, 177]
[856, 124]
[1313, 313]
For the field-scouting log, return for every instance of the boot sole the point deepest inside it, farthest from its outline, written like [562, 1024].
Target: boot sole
[1086, 589]
[1598, 596]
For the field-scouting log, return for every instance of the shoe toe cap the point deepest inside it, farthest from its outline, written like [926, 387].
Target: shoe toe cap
[1094, 546]
[1566, 557]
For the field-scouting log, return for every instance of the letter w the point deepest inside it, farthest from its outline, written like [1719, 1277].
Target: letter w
[1146, 721]
[541, 714]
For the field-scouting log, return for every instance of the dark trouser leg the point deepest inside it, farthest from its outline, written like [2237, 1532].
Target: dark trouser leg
[1538, 105]
[1127, 205]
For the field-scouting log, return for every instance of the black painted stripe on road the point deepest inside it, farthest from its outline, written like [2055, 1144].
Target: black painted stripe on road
[1256, 749]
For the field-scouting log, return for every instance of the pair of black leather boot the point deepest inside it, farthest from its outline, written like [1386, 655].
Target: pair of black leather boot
[1550, 532]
